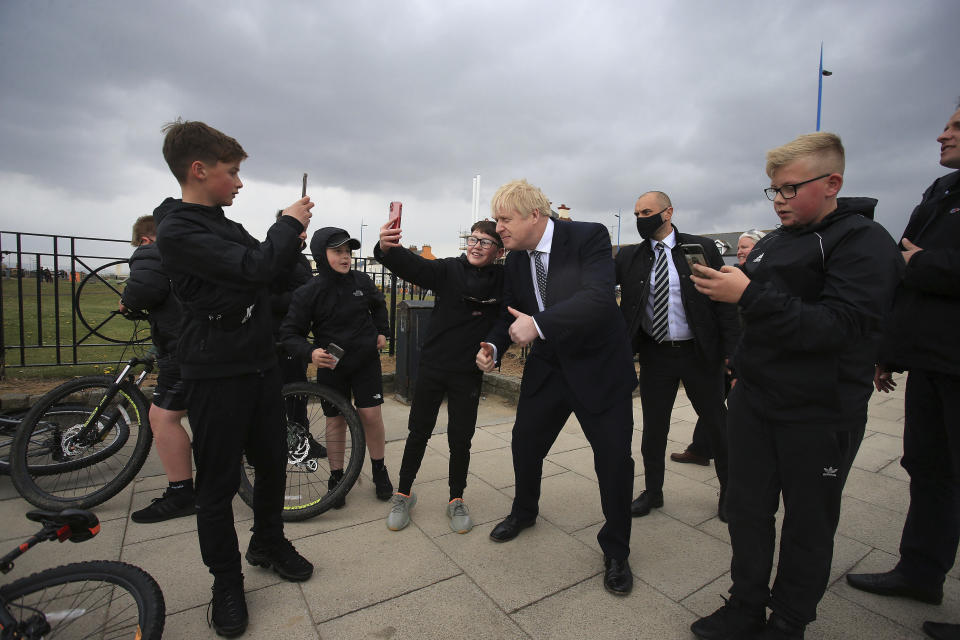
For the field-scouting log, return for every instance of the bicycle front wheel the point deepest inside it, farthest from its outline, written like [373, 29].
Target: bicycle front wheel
[100, 599]
[308, 471]
[57, 463]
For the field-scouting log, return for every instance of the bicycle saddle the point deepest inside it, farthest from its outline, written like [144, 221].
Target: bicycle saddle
[83, 524]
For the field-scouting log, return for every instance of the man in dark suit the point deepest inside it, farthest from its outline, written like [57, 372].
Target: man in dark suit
[559, 298]
[679, 335]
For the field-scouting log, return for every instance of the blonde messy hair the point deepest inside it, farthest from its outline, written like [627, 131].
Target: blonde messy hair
[825, 146]
[519, 196]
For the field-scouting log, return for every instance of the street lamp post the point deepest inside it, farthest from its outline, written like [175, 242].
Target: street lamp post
[619, 211]
[820, 77]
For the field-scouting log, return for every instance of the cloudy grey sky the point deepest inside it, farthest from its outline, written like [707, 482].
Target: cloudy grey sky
[595, 102]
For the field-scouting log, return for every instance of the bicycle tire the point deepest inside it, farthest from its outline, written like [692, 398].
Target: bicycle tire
[52, 472]
[306, 493]
[98, 599]
[8, 428]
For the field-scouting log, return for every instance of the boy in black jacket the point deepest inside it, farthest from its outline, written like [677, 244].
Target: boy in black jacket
[227, 357]
[148, 289]
[468, 293]
[812, 295]
[343, 307]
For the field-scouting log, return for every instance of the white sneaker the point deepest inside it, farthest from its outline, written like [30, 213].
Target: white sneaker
[460, 521]
[400, 506]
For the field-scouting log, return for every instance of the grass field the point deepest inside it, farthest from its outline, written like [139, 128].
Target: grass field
[97, 300]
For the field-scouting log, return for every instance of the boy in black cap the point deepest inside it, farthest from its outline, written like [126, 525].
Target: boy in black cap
[343, 307]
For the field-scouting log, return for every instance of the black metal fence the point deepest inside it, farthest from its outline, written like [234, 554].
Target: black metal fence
[58, 298]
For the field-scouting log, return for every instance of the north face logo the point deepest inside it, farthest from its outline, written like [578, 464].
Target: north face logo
[358, 293]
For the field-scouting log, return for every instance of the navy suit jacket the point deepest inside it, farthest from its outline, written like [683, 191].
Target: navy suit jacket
[585, 334]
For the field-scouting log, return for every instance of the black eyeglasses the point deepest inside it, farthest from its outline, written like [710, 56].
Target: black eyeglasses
[484, 243]
[473, 300]
[789, 190]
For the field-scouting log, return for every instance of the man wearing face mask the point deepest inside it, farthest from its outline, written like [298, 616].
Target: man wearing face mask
[679, 335]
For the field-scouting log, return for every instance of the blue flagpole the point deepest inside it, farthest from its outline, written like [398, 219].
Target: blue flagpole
[820, 86]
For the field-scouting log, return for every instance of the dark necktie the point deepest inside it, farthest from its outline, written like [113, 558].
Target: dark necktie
[541, 277]
[661, 295]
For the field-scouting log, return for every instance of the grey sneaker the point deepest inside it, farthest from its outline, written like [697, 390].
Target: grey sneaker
[460, 521]
[400, 506]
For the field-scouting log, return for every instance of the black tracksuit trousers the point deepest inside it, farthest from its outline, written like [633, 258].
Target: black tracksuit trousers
[230, 416]
[462, 390]
[808, 465]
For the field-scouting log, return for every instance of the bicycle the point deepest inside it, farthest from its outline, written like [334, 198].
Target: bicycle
[101, 599]
[308, 471]
[83, 441]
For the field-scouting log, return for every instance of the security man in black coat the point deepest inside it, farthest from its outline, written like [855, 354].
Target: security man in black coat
[920, 336]
[688, 339]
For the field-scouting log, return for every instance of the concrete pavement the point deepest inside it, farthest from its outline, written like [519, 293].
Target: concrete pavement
[428, 582]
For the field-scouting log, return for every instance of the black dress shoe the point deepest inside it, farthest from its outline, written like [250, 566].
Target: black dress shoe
[942, 630]
[617, 577]
[894, 583]
[509, 529]
[645, 501]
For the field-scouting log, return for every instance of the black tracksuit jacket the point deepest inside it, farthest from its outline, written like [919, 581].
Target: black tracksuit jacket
[457, 324]
[344, 308]
[921, 332]
[148, 289]
[220, 272]
[812, 315]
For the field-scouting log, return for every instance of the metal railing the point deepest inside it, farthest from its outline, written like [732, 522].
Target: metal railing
[43, 327]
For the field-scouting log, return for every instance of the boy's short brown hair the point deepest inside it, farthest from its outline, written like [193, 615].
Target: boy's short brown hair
[186, 142]
[143, 227]
[487, 227]
[826, 146]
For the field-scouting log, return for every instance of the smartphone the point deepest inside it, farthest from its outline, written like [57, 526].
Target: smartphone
[303, 192]
[395, 210]
[694, 255]
[335, 350]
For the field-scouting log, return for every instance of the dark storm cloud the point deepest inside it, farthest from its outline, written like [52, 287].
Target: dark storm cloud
[595, 103]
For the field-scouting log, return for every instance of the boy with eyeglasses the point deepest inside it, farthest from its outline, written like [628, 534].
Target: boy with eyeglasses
[467, 292]
[812, 297]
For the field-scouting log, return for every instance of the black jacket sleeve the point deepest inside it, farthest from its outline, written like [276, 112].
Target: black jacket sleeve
[429, 274]
[148, 285]
[296, 324]
[378, 307]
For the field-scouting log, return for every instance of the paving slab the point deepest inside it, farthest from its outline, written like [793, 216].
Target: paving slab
[586, 610]
[539, 562]
[454, 608]
[367, 564]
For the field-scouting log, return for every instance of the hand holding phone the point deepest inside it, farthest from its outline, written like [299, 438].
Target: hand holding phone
[693, 253]
[335, 350]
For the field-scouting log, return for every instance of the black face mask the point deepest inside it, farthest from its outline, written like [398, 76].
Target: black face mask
[648, 225]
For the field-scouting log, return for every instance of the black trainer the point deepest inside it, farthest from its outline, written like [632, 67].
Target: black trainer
[227, 612]
[317, 450]
[332, 483]
[281, 556]
[383, 485]
[733, 621]
[173, 504]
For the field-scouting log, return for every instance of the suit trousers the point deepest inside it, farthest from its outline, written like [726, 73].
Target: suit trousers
[541, 414]
[808, 465]
[663, 367]
[462, 390]
[931, 455]
[230, 416]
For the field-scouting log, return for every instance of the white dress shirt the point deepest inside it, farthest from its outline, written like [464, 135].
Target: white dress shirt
[677, 327]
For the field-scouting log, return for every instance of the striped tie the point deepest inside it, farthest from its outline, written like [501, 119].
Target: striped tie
[661, 295]
[541, 277]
